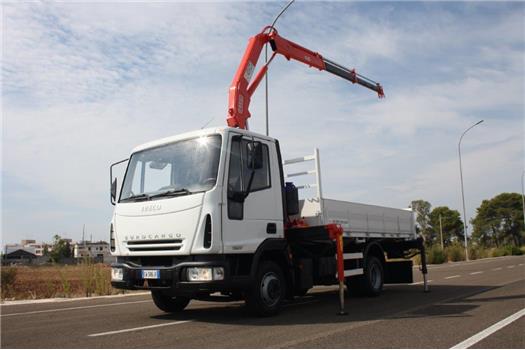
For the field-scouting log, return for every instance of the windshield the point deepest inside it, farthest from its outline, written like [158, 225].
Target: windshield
[175, 169]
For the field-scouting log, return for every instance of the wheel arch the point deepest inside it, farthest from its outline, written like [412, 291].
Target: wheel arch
[276, 250]
[375, 249]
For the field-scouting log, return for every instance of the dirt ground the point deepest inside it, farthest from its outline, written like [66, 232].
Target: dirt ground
[37, 282]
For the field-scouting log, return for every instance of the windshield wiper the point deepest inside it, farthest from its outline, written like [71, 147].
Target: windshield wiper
[170, 193]
[138, 197]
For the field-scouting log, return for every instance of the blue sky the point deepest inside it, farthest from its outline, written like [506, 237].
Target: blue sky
[82, 84]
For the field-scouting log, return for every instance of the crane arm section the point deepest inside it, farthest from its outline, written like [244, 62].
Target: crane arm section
[242, 86]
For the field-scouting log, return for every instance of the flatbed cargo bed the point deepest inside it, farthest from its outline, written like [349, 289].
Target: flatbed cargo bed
[359, 220]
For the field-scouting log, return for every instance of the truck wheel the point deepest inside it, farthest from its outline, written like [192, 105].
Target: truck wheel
[371, 282]
[266, 297]
[169, 303]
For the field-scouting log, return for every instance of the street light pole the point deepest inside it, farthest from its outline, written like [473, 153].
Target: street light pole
[441, 232]
[462, 190]
[523, 195]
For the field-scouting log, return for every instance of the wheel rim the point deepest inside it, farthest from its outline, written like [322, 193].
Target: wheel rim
[375, 276]
[270, 289]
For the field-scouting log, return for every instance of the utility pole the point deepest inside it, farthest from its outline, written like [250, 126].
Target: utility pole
[441, 232]
[462, 190]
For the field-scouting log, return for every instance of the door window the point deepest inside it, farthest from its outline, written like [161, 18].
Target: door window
[239, 175]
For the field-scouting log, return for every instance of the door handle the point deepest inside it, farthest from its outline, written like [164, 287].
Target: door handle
[271, 228]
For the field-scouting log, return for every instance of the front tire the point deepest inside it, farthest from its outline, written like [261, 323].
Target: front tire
[169, 303]
[266, 297]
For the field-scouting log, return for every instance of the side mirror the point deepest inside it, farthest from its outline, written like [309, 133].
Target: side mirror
[114, 191]
[255, 155]
[113, 182]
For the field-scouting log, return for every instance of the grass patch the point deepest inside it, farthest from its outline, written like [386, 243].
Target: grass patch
[455, 252]
[506, 250]
[48, 281]
[8, 279]
[436, 255]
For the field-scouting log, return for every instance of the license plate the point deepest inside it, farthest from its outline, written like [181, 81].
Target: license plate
[151, 274]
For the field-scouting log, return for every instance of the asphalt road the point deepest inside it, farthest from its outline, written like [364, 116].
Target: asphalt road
[466, 299]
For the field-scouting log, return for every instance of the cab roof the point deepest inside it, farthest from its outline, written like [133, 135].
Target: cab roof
[197, 133]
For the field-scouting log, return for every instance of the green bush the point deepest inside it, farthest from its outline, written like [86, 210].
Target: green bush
[436, 255]
[478, 252]
[506, 250]
[8, 278]
[512, 250]
[497, 252]
[455, 252]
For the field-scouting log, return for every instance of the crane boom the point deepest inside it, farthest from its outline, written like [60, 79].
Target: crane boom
[241, 90]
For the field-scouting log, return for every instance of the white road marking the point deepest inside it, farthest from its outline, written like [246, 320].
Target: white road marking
[521, 264]
[421, 282]
[138, 328]
[476, 273]
[496, 269]
[455, 276]
[74, 308]
[488, 331]
[511, 266]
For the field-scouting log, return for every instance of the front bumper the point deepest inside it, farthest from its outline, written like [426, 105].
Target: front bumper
[173, 279]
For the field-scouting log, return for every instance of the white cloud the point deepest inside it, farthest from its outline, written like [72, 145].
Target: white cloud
[85, 83]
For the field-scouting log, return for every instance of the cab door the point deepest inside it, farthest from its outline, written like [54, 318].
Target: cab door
[252, 210]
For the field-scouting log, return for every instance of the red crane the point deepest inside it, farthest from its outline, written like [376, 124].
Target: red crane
[241, 90]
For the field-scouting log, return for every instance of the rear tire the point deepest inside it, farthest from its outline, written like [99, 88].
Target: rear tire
[169, 303]
[266, 297]
[371, 282]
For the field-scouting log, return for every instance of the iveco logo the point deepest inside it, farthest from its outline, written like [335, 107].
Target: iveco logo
[151, 207]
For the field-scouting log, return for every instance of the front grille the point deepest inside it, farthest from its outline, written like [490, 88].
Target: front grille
[154, 245]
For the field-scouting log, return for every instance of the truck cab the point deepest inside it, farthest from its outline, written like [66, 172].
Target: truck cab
[193, 211]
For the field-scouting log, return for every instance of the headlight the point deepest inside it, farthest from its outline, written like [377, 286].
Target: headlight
[200, 274]
[117, 274]
[218, 273]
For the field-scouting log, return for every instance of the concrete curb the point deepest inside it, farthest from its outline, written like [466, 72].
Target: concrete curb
[61, 300]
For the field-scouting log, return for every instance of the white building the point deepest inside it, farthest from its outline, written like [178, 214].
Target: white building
[38, 247]
[28, 245]
[94, 250]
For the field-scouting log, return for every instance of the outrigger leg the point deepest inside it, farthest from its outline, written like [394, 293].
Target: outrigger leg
[424, 271]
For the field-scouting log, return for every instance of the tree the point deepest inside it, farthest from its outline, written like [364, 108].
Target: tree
[61, 249]
[451, 223]
[499, 221]
[422, 210]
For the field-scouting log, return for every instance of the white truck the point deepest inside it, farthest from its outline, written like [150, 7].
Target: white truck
[209, 215]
